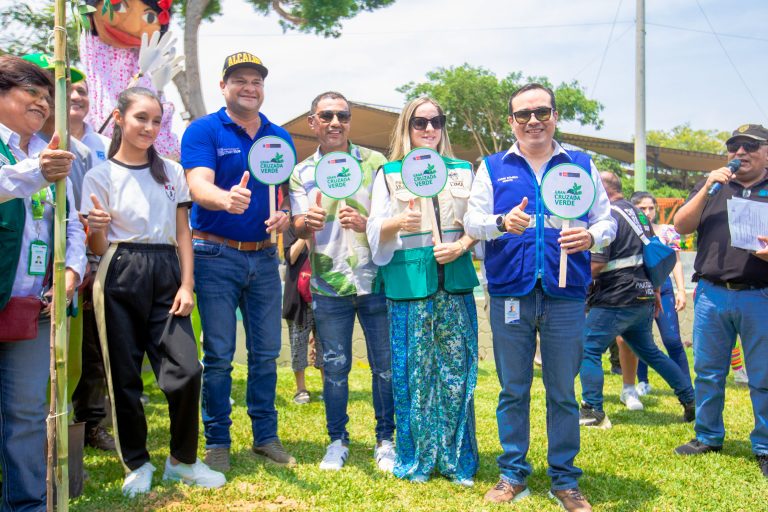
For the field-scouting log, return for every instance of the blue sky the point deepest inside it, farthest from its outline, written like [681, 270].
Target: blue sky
[689, 76]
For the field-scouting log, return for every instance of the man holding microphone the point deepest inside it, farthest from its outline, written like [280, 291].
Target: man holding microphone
[731, 295]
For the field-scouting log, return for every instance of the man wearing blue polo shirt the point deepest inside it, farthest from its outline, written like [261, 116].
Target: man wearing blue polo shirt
[235, 262]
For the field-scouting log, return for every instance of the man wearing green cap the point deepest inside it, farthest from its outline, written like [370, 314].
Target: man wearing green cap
[89, 397]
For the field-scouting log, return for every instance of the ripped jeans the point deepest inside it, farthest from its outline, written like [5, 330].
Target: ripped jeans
[335, 320]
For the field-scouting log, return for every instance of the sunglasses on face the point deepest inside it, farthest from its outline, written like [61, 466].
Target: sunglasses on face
[327, 116]
[749, 146]
[420, 123]
[541, 113]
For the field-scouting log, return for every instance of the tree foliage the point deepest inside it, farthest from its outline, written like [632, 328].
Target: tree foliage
[685, 137]
[27, 30]
[476, 103]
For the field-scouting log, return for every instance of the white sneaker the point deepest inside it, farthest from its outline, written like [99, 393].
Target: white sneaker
[138, 481]
[740, 376]
[335, 456]
[193, 474]
[643, 388]
[384, 454]
[629, 398]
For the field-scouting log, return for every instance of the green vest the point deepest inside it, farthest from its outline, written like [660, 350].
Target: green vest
[12, 217]
[412, 272]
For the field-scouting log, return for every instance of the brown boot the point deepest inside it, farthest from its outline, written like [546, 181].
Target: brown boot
[99, 438]
[571, 500]
[506, 492]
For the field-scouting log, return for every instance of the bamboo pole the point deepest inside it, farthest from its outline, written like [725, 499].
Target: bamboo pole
[59, 324]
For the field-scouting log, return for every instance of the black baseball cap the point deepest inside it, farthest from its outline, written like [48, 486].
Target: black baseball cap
[750, 131]
[242, 60]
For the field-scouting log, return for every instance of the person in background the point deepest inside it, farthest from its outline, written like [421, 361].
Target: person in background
[28, 169]
[432, 314]
[731, 294]
[297, 311]
[672, 300]
[89, 396]
[79, 106]
[622, 301]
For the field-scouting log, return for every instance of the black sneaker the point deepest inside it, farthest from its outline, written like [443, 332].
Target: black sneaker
[696, 447]
[689, 412]
[762, 461]
[591, 417]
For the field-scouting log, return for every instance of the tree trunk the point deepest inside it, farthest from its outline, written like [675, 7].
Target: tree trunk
[188, 82]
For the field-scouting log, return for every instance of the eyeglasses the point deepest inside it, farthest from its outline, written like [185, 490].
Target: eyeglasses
[541, 113]
[420, 123]
[327, 116]
[749, 146]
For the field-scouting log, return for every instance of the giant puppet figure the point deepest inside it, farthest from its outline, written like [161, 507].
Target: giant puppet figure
[110, 57]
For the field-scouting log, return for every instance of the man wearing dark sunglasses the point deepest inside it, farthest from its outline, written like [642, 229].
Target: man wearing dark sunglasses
[731, 294]
[342, 284]
[521, 262]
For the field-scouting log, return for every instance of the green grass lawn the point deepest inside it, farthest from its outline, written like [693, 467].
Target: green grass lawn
[629, 467]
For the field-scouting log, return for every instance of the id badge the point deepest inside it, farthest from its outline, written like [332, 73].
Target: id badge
[38, 258]
[511, 311]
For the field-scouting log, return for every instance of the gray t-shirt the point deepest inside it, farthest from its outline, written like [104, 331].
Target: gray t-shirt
[142, 210]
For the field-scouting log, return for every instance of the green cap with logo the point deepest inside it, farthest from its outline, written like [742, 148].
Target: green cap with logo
[46, 62]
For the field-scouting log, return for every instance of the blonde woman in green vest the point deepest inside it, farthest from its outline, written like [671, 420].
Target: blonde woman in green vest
[432, 315]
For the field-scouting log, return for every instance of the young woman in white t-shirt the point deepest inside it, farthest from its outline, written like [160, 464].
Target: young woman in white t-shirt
[137, 205]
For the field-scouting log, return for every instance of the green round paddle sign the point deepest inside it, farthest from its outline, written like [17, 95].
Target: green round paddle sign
[338, 175]
[271, 160]
[568, 191]
[424, 172]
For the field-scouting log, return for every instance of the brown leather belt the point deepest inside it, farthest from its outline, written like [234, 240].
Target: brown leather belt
[240, 246]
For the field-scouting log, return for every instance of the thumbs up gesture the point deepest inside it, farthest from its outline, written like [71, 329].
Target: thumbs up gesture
[239, 196]
[410, 219]
[55, 163]
[314, 219]
[98, 218]
[517, 221]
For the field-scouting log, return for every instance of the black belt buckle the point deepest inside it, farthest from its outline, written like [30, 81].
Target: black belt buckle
[737, 287]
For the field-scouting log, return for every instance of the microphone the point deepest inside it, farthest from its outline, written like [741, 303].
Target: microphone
[733, 165]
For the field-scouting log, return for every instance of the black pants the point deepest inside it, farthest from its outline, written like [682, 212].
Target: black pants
[89, 398]
[141, 283]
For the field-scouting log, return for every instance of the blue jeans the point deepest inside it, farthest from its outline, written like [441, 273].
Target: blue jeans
[719, 316]
[634, 324]
[669, 328]
[226, 279]
[560, 325]
[24, 376]
[335, 320]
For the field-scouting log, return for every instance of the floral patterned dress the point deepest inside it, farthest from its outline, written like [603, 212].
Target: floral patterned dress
[434, 372]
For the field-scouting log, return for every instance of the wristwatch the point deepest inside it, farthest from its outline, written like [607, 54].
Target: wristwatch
[500, 224]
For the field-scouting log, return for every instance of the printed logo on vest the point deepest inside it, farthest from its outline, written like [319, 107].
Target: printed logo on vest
[506, 179]
[227, 151]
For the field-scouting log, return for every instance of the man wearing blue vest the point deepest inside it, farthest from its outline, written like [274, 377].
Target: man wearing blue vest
[522, 249]
[235, 262]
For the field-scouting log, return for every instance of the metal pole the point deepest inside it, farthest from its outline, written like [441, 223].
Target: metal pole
[640, 157]
[60, 339]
